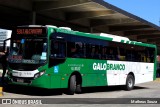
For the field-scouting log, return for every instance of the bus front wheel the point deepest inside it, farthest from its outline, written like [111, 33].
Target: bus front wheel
[129, 83]
[78, 89]
[72, 85]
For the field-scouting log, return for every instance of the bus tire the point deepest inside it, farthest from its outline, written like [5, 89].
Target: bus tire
[78, 89]
[72, 85]
[129, 83]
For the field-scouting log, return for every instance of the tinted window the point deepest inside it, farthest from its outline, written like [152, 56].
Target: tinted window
[58, 49]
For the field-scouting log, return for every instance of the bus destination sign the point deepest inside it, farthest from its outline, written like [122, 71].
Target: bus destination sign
[30, 31]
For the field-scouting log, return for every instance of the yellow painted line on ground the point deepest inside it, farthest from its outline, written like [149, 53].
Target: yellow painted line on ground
[157, 80]
[1, 91]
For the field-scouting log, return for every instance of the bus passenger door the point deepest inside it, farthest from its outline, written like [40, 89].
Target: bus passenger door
[56, 58]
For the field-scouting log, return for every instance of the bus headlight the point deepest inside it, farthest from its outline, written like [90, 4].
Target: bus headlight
[39, 74]
[36, 75]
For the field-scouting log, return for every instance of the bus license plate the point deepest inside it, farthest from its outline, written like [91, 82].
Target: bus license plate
[20, 80]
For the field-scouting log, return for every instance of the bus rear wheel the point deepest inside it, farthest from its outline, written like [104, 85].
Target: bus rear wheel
[72, 85]
[129, 83]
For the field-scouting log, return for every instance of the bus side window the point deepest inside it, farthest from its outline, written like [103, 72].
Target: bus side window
[151, 53]
[88, 51]
[80, 48]
[58, 49]
[147, 56]
[111, 54]
[152, 58]
[92, 51]
[121, 54]
[134, 57]
[104, 53]
[76, 51]
[97, 54]
[70, 47]
[131, 55]
[142, 57]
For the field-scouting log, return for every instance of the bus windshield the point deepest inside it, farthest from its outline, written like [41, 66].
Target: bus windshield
[28, 50]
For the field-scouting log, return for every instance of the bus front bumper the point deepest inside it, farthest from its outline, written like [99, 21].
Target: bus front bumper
[42, 81]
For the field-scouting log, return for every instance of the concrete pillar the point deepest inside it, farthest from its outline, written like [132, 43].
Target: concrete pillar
[33, 16]
[91, 30]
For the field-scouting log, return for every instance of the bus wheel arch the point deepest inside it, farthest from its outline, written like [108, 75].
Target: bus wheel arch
[130, 81]
[75, 83]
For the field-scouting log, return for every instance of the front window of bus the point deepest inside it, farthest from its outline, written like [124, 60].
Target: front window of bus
[28, 51]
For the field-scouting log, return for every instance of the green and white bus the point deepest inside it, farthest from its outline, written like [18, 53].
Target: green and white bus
[51, 57]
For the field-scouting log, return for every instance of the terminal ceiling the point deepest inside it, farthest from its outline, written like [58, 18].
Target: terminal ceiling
[94, 16]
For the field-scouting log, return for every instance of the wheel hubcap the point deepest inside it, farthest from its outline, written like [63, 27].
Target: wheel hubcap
[130, 83]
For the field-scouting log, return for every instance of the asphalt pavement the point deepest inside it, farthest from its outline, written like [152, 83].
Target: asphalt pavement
[113, 96]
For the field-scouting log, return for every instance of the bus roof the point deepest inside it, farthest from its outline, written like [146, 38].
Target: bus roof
[109, 38]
